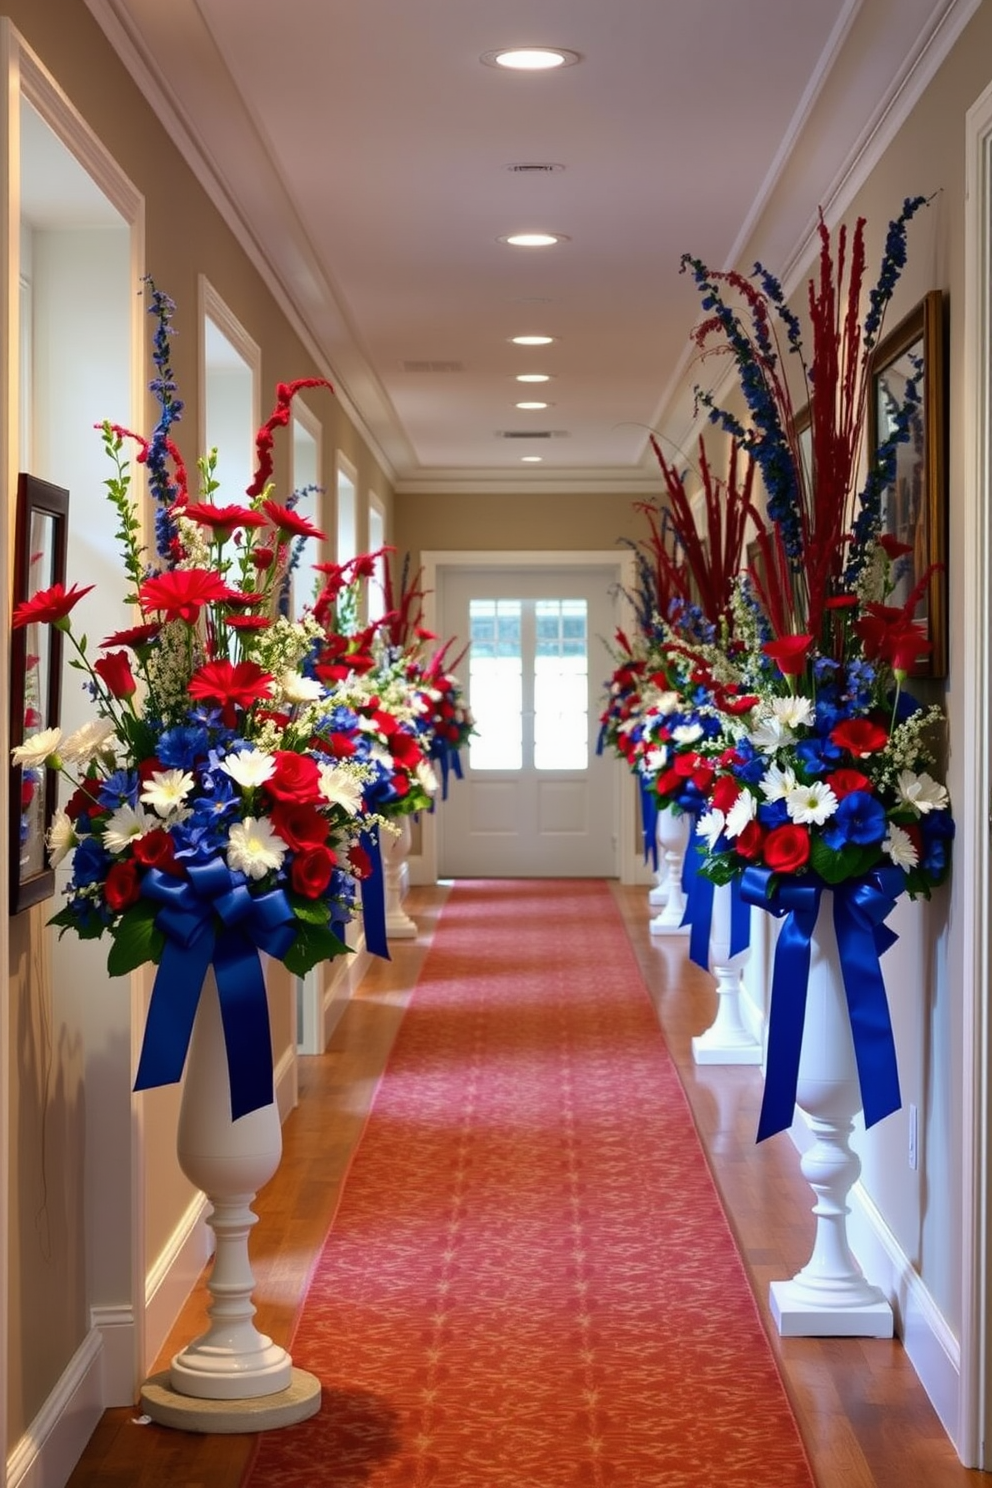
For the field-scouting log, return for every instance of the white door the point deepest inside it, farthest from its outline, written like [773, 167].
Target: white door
[536, 800]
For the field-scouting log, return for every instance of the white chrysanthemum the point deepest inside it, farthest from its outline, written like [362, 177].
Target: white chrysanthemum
[921, 792]
[793, 712]
[667, 702]
[340, 788]
[61, 838]
[777, 782]
[166, 790]
[295, 688]
[687, 733]
[771, 734]
[425, 776]
[656, 760]
[899, 846]
[35, 751]
[87, 742]
[811, 805]
[710, 826]
[126, 826]
[249, 767]
[253, 848]
[744, 810]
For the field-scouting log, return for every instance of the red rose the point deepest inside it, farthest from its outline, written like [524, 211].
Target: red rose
[114, 671]
[846, 782]
[702, 776]
[295, 779]
[311, 871]
[668, 782]
[725, 793]
[684, 764]
[400, 784]
[859, 736]
[787, 848]
[359, 862]
[749, 841]
[300, 825]
[123, 886]
[156, 850]
[84, 798]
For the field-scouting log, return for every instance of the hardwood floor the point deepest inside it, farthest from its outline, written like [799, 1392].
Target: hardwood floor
[864, 1416]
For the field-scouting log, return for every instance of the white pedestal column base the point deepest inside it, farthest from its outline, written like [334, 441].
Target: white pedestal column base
[797, 1317]
[727, 1040]
[299, 1401]
[673, 838]
[395, 849]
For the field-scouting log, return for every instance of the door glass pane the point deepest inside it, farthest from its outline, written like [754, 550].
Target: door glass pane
[561, 685]
[495, 684]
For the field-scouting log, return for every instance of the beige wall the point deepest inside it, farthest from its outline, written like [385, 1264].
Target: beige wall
[457, 523]
[50, 1231]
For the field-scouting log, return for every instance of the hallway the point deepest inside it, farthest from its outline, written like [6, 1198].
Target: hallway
[864, 1416]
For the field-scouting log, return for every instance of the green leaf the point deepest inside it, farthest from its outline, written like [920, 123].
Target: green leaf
[136, 939]
[313, 943]
[310, 911]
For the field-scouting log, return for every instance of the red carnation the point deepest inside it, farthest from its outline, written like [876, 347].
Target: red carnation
[725, 793]
[859, 736]
[181, 593]
[233, 685]
[136, 637]
[48, 606]
[789, 653]
[787, 848]
[846, 782]
[359, 861]
[289, 522]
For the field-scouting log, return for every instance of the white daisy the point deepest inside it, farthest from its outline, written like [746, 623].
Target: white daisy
[340, 788]
[667, 702]
[811, 804]
[921, 792]
[710, 826]
[61, 838]
[777, 782]
[687, 733]
[87, 742]
[166, 790]
[793, 712]
[253, 848]
[296, 688]
[35, 751]
[744, 810]
[770, 734]
[425, 776]
[899, 846]
[126, 826]
[249, 767]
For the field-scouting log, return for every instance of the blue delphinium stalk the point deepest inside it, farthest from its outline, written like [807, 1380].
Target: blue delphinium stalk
[163, 488]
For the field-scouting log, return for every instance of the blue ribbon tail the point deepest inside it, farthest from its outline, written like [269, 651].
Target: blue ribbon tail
[690, 871]
[699, 916]
[740, 919]
[860, 946]
[445, 766]
[787, 1008]
[245, 1015]
[649, 821]
[174, 1000]
[374, 899]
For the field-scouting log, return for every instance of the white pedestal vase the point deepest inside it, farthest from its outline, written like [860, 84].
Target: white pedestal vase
[673, 839]
[829, 1297]
[658, 893]
[727, 1040]
[232, 1377]
[395, 849]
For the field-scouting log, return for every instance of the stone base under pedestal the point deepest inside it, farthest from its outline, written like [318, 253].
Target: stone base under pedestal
[712, 1051]
[299, 1401]
[796, 1317]
[657, 927]
[400, 927]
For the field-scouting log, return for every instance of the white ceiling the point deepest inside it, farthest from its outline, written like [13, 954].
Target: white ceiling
[361, 150]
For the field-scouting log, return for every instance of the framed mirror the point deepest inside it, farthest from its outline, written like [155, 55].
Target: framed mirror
[40, 545]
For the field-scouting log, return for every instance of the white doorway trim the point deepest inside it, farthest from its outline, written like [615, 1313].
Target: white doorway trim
[423, 865]
[972, 874]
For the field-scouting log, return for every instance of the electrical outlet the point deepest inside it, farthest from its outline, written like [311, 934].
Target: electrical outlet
[914, 1144]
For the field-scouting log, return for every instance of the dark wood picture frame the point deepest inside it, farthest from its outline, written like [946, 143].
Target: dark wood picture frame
[40, 548]
[914, 507]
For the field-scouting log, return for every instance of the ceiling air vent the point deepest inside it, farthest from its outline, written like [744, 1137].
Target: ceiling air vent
[534, 168]
[531, 433]
[433, 366]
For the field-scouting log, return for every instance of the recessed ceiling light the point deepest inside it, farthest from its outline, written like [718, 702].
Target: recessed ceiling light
[532, 340]
[533, 377]
[530, 59]
[532, 405]
[533, 239]
[531, 459]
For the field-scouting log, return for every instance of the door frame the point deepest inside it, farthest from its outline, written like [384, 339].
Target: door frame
[423, 863]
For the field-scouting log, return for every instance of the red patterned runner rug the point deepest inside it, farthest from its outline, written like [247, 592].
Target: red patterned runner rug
[530, 1281]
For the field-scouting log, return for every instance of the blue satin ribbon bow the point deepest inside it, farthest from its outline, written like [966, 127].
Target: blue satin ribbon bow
[194, 940]
[860, 909]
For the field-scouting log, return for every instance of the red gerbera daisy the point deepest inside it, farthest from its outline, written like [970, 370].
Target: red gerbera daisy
[48, 606]
[180, 594]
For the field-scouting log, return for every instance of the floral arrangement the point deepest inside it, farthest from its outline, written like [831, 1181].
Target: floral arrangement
[218, 797]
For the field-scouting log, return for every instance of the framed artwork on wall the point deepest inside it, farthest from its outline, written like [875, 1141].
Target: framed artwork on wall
[914, 505]
[40, 544]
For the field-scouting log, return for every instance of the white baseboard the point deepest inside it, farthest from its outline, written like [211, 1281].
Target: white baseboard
[54, 1442]
[174, 1274]
[286, 1083]
[118, 1335]
[930, 1345]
